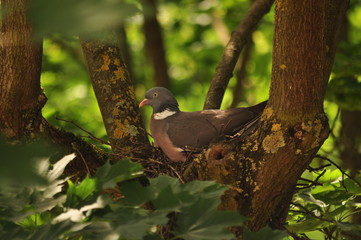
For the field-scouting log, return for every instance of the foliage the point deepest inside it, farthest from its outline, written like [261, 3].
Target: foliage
[327, 207]
[344, 89]
[35, 206]
[94, 208]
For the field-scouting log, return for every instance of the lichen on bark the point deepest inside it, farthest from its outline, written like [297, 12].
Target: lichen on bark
[114, 91]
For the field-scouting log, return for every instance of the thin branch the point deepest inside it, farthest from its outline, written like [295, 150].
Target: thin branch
[312, 182]
[232, 51]
[91, 136]
[339, 168]
[82, 158]
[312, 213]
[311, 169]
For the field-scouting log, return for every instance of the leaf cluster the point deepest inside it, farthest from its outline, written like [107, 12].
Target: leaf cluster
[114, 204]
[327, 208]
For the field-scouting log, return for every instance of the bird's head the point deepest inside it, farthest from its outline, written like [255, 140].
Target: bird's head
[160, 99]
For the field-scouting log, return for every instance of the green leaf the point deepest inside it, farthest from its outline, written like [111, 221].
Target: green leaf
[170, 195]
[134, 193]
[108, 175]
[350, 227]
[125, 222]
[351, 186]
[59, 167]
[265, 233]
[86, 188]
[307, 197]
[330, 176]
[168, 201]
[201, 220]
[307, 225]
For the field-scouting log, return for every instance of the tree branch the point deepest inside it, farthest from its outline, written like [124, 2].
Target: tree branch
[232, 51]
[114, 91]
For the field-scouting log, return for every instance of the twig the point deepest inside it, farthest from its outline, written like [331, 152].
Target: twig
[312, 214]
[314, 183]
[232, 51]
[83, 159]
[311, 169]
[160, 163]
[91, 136]
[339, 168]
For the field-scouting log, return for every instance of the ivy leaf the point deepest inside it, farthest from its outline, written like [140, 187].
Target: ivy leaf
[108, 175]
[201, 220]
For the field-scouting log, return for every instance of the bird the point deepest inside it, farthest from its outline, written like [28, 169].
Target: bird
[174, 130]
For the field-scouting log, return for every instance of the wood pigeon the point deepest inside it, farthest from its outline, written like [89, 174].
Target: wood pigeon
[174, 130]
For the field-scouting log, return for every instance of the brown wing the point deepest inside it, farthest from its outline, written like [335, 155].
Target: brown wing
[198, 129]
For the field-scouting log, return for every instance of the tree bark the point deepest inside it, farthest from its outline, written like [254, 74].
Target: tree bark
[21, 98]
[125, 49]
[265, 167]
[241, 74]
[232, 51]
[154, 43]
[114, 92]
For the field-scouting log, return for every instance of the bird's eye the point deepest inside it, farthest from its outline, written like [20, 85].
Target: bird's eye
[155, 94]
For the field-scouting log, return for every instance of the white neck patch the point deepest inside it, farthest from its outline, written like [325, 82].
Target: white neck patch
[162, 115]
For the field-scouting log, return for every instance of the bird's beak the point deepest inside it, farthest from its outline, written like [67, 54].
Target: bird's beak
[143, 103]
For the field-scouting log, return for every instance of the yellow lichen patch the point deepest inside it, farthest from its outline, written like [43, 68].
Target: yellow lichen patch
[298, 151]
[105, 66]
[255, 147]
[115, 111]
[253, 164]
[246, 145]
[116, 62]
[131, 92]
[119, 130]
[276, 127]
[271, 143]
[115, 97]
[283, 67]
[307, 127]
[268, 112]
[119, 73]
[124, 129]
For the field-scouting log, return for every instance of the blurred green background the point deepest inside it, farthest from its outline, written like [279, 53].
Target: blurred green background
[194, 34]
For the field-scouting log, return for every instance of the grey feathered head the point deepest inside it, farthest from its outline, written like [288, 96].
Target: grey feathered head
[160, 99]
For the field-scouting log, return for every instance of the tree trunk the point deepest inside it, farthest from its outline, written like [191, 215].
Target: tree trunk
[21, 98]
[115, 94]
[264, 168]
[154, 43]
